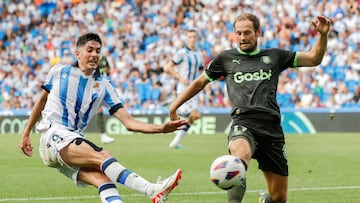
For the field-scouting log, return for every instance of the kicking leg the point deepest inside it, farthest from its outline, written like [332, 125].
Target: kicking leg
[107, 190]
[239, 147]
[83, 153]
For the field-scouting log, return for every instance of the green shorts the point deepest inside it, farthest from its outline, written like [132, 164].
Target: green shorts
[267, 141]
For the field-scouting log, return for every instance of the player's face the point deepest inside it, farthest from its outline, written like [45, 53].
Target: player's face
[191, 39]
[246, 35]
[88, 57]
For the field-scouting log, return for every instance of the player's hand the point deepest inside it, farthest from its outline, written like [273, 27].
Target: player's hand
[171, 126]
[322, 24]
[25, 145]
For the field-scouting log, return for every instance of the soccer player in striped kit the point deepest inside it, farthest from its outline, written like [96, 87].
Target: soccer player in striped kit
[71, 96]
[188, 62]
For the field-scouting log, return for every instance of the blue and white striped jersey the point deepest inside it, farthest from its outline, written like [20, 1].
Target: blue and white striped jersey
[74, 98]
[188, 65]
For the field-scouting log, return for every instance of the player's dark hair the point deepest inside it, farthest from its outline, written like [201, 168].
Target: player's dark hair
[83, 39]
[248, 16]
[191, 30]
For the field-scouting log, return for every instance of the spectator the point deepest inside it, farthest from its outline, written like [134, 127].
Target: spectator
[129, 41]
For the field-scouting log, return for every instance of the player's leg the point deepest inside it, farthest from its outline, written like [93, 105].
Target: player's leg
[180, 134]
[240, 148]
[194, 115]
[241, 145]
[277, 187]
[190, 110]
[107, 189]
[104, 137]
[83, 153]
[272, 159]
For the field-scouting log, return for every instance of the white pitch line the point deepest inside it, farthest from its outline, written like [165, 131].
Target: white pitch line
[173, 194]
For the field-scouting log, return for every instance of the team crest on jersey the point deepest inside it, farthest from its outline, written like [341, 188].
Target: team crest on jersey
[95, 89]
[96, 85]
[266, 59]
[64, 75]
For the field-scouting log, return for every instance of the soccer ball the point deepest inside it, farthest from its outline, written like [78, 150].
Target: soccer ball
[227, 171]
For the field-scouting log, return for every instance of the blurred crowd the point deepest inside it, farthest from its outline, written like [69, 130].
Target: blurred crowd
[141, 36]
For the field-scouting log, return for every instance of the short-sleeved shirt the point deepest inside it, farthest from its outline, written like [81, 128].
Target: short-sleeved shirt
[251, 79]
[74, 98]
[188, 65]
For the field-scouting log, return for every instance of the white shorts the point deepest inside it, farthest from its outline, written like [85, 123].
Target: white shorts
[51, 142]
[189, 106]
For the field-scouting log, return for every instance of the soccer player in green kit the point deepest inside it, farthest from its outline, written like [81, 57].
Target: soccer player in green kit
[104, 68]
[251, 76]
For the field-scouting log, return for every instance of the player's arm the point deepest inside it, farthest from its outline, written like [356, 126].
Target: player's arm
[194, 88]
[316, 54]
[25, 141]
[135, 125]
[170, 69]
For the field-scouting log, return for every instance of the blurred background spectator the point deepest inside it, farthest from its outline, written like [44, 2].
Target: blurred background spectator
[140, 36]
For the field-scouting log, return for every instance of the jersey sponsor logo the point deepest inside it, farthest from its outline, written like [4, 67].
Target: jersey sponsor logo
[239, 77]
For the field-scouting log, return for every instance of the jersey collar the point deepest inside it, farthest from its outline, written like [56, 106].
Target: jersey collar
[249, 53]
[189, 48]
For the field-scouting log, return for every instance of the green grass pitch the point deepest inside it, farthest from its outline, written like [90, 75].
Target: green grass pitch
[324, 168]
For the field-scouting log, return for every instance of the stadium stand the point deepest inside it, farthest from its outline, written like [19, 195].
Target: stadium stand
[140, 36]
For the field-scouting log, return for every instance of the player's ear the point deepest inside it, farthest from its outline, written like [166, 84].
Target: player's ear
[258, 33]
[77, 53]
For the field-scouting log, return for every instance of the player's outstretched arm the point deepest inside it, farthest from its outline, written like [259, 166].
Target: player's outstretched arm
[195, 87]
[135, 125]
[25, 141]
[170, 69]
[316, 54]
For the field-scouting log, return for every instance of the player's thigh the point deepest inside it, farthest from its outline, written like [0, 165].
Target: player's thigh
[240, 147]
[83, 152]
[52, 141]
[277, 185]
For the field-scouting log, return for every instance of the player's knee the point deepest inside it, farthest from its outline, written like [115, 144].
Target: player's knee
[240, 149]
[106, 154]
[197, 116]
[193, 118]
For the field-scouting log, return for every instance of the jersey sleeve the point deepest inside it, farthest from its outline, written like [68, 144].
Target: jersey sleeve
[288, 58]
[47, 86]
[215, 69]
[179, 56]
[201, 67]
[112, 99]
